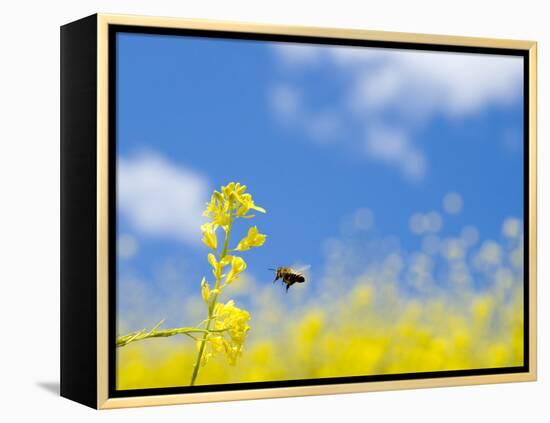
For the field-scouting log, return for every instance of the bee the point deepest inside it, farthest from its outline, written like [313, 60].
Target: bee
[289, 276]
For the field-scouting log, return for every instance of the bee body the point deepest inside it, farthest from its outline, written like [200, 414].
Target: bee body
[289, 276]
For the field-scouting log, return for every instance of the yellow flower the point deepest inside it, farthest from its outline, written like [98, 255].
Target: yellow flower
[214, 344]
[218, 197]
[228, 189]
[218, 266]
[212, 260]
[240, 189]
[218, 210]
[205, 290]
[235, 321]
[252, 239]
[231, 202]
[232, 324]
[246, 204]
[238, 265]
[209, 235]
[212, 207]
[228, 316]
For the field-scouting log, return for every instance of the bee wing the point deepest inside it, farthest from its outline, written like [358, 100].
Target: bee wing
[302, 269]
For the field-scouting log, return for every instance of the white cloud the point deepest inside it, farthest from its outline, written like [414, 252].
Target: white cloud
[160, 198]
[395, 147]
[439, 82]
[453, 84]
[286, 101]
[413, 87]
[299, 54]
[323, 126]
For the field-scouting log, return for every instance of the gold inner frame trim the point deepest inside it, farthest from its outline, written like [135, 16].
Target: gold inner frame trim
[103, 22]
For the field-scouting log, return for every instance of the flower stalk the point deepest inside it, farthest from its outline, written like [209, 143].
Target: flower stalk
[211, 306]
[226, 326]
[225, 207]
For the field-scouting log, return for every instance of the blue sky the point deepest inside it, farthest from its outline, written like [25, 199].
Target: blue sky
[335, 143]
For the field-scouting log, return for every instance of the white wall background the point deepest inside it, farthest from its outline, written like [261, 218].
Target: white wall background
[29, 223]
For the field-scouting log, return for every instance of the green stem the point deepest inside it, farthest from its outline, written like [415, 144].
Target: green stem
[141, 335]
[211, 307]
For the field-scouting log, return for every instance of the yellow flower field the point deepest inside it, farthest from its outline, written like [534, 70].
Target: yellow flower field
[370, 330]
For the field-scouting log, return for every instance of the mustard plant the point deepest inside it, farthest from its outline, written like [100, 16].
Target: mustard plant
[226, 327]
[229, 322]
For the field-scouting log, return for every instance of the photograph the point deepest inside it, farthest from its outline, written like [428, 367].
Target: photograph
[268, 212]
[293, 212]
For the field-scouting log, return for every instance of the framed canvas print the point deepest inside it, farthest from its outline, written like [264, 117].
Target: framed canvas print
[254, 211]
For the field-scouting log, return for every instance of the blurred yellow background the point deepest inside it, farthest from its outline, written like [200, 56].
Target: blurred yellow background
[371, 329]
